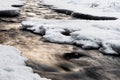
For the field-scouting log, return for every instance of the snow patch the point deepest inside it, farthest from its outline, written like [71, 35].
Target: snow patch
[13, 67]
[102, 35]
[89, 8]
[10, 7]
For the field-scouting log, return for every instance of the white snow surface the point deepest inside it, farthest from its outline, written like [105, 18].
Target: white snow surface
[103, 35]
[7, 4]
[101, 8]
[12, 65]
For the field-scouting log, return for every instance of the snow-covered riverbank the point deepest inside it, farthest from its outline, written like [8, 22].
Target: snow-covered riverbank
[103, 35]
[9, 7]
[96, 9]
[13, 67]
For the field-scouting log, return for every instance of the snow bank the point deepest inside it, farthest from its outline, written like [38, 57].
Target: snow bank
[10, 7]
[89, 8]
[12, 65]
[102, 35]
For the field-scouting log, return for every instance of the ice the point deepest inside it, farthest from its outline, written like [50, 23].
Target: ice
[101, 35]
[13, 67]
[10, 7]
[96, 8]
[58, 37]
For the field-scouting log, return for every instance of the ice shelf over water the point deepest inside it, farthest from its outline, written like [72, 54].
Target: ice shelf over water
[89, 8]
[10, 7]
[102, 35]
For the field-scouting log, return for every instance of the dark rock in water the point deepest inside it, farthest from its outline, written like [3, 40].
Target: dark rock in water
[73, 55]
[17, 5]
[9, 13]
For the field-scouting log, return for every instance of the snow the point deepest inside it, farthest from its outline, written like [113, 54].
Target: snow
[12, 65]
[9, 7]
[102, 35]
[101, 8]
[7, 4]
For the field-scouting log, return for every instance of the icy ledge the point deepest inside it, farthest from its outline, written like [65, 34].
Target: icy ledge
[12, 65]
[9, 8]
[102, 35]
[86, 9]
